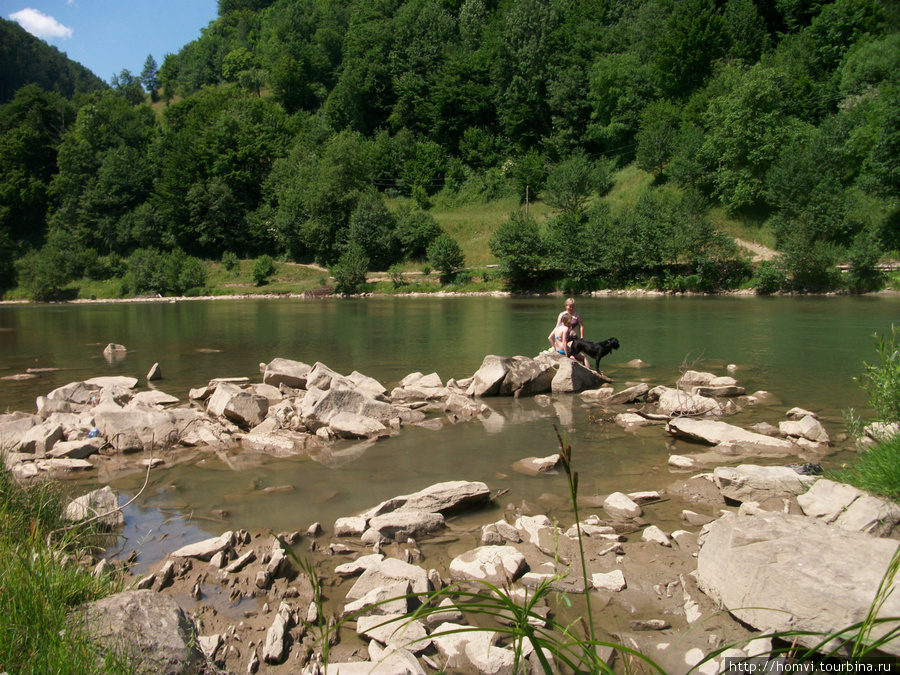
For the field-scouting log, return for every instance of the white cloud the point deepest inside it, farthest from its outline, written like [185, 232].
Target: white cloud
[40, 25]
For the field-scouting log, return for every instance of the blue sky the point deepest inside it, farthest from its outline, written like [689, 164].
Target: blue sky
[108, 36]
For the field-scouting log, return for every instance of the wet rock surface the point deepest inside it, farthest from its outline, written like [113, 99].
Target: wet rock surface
[256, 609]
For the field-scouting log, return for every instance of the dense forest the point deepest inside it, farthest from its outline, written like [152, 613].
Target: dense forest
[289, 127]
[27, 60]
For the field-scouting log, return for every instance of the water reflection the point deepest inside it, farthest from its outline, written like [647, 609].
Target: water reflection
[805, 350]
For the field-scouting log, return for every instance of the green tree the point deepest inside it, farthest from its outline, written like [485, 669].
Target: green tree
[519, 247]
[884, 163]
[42, 273]
[263, 269]
[746, 126]
[128, 86]
[350, 271]
[695, 37]
[415, 231]
[445, 255]
[31, 128]
[314, 191]
[149, 75]
[372, 228]
[103, 172]
[619, 88]
[571, 183]
[656, 139]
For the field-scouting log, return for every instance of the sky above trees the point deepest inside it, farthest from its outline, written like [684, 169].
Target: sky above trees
[108, 36]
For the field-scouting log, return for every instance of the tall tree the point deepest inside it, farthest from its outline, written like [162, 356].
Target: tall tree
[149, 74]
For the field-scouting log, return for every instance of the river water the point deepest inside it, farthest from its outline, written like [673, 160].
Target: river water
[805, 351]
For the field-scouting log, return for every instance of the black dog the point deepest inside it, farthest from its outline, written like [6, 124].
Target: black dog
[596, 349]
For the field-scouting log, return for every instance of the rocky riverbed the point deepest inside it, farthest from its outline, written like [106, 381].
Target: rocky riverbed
[755, 533]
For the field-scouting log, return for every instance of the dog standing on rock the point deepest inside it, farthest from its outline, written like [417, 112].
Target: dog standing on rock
[597, 350]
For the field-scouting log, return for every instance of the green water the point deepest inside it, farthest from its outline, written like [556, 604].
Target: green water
[806, 351]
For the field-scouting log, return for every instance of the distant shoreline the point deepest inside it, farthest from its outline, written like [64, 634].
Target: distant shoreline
[631, 293]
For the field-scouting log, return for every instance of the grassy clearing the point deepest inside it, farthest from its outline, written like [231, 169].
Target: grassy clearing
[629, 184]
[40, 583]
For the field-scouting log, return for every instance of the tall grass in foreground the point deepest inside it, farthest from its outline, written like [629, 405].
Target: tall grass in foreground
[38, 586]
[877, 470]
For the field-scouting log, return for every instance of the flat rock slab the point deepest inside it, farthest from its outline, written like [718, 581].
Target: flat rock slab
[405, 523]
[390, 571]
[722, 433]
[778, 572]
[395, 629]
[751, 483]
[206, 549]
[849, 508]
[446, 497]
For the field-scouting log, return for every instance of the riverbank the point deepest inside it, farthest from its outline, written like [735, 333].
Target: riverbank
[638, 561]
[606, 293]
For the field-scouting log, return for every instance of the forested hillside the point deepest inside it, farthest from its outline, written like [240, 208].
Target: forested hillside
[24, 59]
[288, 126]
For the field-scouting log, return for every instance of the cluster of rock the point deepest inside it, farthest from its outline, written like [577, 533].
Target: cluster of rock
[297, 408]
[821, 548]
[784, 540]
[765, 561]
[387, 584]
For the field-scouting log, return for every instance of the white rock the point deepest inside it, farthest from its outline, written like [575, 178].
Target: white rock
[396, 630]
[653, 533]
[352, 526]
[610, 581]
[206, 549]
[495, 564]
[618, 505]
[749, 482]
[681, 462]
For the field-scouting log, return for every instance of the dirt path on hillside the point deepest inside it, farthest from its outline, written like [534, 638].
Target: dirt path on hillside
[758, 251]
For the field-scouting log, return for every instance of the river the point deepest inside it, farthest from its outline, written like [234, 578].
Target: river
[805, 350]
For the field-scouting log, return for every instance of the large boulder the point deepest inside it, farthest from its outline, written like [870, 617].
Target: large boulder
[13, 428]
[782, 573]
[145, 626]
[751, 483]
[240, 406]
[388, 572]
[572, 377]
[80, 449]
[527, 376]
[807, 427]
[721, 433]
[352, 425]
[488, 379]
[370, 384]
[287, 372]
[40, 439]
[322, 377]
[137, 430]
[319, 407]
[850, 508]
[405, 523]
